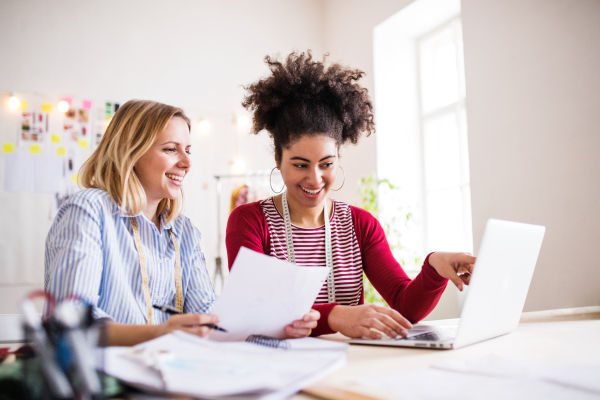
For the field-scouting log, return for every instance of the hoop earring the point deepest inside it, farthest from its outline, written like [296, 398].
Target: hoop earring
[270, 184]
[344, 181]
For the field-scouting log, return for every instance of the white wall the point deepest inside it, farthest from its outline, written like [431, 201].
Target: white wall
[533, 108]
[193, 54]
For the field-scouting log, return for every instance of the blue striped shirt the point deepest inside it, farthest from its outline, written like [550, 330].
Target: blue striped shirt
[90, 253]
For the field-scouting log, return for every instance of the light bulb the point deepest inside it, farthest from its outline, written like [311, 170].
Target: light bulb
[63, 106]
[14, 103]
[204, 126]
[238, 166]
[243, 121]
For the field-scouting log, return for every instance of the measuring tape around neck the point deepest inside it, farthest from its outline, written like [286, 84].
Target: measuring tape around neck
[328, 252]
[144, 271]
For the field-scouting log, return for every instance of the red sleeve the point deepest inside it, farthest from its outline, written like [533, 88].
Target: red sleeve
[246, 227]
[415, 298]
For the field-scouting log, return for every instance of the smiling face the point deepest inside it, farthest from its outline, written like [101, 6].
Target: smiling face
[162, 168]
[309, 169]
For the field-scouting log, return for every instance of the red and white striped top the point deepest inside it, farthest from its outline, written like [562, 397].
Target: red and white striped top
[309, 246]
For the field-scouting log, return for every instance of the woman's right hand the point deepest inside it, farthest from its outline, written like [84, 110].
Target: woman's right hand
[189, 323]
[358, 321]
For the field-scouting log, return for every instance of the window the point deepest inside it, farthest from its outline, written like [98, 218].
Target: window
[422, 131]
[443, 126]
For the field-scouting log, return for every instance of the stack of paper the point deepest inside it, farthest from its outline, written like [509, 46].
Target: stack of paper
[185, 364]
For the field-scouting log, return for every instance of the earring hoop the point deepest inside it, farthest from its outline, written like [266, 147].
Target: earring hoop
[271, 184]
[344, 181]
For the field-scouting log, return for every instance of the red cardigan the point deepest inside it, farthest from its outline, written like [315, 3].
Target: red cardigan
[414, 299]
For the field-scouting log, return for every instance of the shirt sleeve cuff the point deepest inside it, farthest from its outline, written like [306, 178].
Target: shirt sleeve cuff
[322, 325]
[430, 273]
[98, 313]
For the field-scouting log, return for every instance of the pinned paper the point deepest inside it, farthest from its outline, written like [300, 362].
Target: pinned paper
[34, 149]
[83, 143]
[108, 111]
[8, 148]
[46, 108]
[55, 138]
[19, 173]
[87, 105]
[68, 100]
[75, 179]
[48, 173]
[61, 151]
[28, 173]
[23, 105]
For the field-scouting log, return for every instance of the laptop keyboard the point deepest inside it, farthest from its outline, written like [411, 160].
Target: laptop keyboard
[441, 333]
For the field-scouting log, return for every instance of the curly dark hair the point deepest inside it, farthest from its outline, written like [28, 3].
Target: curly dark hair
[303, 96]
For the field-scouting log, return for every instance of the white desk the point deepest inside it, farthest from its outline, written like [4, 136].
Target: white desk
[570, 336]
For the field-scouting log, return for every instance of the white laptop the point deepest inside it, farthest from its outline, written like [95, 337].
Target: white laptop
[496, 294]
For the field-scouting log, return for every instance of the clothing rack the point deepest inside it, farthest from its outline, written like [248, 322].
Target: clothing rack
[218, 274]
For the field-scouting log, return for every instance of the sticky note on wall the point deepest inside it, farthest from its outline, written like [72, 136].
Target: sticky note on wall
[83, 143]
[68, 100]
[87, 104]
[8, 148]
[23, 105]
[55, 138]
[34, 149]
[46, 108]
[61, 151]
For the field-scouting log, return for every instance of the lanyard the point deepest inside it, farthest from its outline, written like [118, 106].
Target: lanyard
[144, 271]
[328, 253]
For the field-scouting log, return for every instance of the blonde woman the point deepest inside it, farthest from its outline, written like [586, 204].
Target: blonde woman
[123, 245]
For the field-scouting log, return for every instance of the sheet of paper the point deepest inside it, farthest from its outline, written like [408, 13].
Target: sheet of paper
[198, 367]
[48, 170]
[263, 294]
[575, 376]
[19, 172]
[451, 385]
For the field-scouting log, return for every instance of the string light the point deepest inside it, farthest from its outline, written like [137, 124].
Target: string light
[14, 102]
[238, 166]
[204, 126]
[243, 121]
[63, 106]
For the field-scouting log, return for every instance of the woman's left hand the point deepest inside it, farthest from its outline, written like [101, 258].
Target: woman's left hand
[302, 327]
[457, 267]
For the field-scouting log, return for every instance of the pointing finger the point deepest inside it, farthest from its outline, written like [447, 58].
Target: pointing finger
[466, 278]
[457, 282]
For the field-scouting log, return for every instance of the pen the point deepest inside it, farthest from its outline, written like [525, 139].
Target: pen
[173, 310]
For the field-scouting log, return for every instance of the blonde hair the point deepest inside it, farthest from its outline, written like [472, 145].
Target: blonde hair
[130, 134]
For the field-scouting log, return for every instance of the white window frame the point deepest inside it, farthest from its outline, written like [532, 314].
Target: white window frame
[458, 109]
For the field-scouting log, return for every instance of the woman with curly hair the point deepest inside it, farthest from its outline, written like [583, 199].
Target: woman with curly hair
[310, 110]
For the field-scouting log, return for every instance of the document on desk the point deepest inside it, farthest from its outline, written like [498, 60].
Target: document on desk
[491, 378]
[188, 365]
[264, 294]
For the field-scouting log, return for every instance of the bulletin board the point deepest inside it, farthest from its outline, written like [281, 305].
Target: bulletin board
[51, 143]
